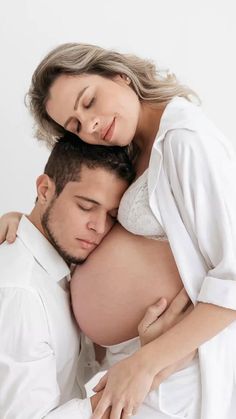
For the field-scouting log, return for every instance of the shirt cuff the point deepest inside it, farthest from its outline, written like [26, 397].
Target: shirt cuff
[221, 292]
[85, 409]
[74, 409]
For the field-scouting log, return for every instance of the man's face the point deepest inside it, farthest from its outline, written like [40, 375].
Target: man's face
[76, 221]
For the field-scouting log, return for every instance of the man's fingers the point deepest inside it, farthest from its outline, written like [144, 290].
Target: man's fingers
[179, 303]
[152, 314]
[101, 408]
[101, 384]
[116, 412]
[188, 309]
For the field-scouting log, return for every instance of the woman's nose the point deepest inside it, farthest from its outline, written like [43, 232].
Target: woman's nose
[88, 123]
[94, 125]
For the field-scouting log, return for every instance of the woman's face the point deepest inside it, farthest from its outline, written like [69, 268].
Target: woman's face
[99, 110]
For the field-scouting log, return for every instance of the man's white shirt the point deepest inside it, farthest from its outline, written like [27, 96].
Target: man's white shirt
[41, 368]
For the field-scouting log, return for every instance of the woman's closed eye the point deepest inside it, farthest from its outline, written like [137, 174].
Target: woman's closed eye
[88, 104]
[113, 215]
[78, 127]
[74, 126]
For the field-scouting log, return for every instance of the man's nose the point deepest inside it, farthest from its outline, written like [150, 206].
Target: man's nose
[98, 224]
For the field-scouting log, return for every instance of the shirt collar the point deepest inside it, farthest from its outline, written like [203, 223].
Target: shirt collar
[178, 113]
[42, 250]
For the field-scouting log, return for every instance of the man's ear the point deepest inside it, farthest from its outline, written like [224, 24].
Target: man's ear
[45, 189]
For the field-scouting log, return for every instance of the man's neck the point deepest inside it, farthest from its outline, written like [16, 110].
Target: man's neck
[34, 218]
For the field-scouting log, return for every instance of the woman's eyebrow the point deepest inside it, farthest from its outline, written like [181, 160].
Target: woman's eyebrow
[75, 105]
[78, 97]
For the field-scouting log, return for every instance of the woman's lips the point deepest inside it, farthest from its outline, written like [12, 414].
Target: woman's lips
[109, 132]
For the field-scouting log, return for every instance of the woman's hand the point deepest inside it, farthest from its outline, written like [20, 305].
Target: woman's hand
[128, 382]
[8, 226]
[125, 385]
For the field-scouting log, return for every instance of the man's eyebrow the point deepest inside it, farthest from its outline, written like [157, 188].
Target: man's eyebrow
[75, 105]
[87, 199]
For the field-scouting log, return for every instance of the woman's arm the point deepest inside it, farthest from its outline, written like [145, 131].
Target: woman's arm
[8, 226]
[201, 170]
[206, 320]
[128, 382]
[201, 175]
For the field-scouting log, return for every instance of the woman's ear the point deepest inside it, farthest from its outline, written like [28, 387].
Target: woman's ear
[122, 78]
[45, 189]
[126, 78]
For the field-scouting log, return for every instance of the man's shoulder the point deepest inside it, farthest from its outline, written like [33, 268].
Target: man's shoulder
[16, 264]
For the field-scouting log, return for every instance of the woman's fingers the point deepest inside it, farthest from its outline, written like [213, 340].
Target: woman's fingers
[3, 233]
[117, 411]
[11, 232]
[128, 383]
[128, 411]
[8, 226]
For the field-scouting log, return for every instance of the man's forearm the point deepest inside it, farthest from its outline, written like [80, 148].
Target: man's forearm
[203, 323]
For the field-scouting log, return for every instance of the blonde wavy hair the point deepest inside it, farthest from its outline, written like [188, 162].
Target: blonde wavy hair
[149, 83]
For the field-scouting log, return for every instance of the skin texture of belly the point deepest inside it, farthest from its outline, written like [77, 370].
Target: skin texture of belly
[121, 278]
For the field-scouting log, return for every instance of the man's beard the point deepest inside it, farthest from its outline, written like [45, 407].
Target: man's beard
[45, 221]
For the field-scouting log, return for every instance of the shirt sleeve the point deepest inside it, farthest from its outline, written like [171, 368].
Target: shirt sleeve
[28, 378]
[202, 172]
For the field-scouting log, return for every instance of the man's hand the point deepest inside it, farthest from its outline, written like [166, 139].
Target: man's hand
[94, 401]
[157, 320]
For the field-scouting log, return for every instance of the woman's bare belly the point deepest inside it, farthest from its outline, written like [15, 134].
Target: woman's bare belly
[121, 278]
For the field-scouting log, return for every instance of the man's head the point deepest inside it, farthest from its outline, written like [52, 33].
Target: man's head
[79, 195]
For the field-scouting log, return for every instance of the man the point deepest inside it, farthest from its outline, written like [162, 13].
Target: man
[41, 362]
[77, 200]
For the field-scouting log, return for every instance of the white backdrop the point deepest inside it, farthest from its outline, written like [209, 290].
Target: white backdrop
[193, 38]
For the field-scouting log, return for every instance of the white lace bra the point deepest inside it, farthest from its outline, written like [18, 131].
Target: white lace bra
[135, 214]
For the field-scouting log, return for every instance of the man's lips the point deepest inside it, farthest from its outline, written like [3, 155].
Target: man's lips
[108, 131]
[86, 244]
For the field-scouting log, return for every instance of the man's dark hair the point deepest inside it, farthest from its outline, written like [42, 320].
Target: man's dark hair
[70, 153]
